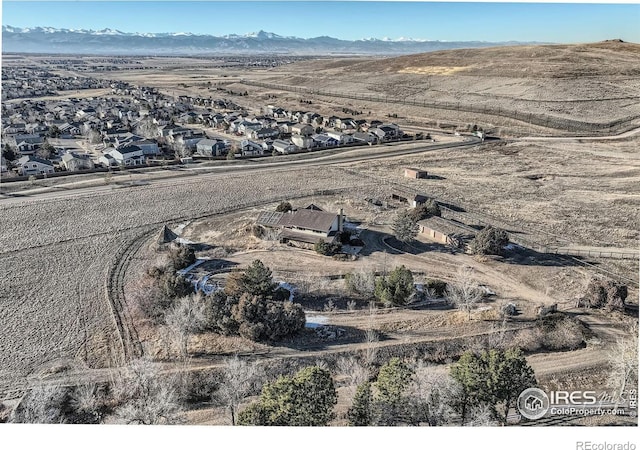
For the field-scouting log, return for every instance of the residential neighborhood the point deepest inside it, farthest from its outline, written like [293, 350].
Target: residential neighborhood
[137, 126]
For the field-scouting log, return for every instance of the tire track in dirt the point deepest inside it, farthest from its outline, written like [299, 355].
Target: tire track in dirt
[129, 342]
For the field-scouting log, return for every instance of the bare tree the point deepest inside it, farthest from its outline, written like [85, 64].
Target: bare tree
[90, 134]
[180, 148]
[623, 360]
[464, 292]
[147, 128]
[433, 393]
[239, 379]
[481, 416]
[145, 398]
[371, 338]
[353, 371]
[362, 282]
[185, 317]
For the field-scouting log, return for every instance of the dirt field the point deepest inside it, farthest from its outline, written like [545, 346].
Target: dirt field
[52, 278]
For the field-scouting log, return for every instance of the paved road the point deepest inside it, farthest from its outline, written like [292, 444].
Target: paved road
[201, 173]
[614, 137]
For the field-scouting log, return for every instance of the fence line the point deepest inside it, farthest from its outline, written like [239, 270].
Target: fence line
[569, 125]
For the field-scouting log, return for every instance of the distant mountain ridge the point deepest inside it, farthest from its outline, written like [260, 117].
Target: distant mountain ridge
[114, 42]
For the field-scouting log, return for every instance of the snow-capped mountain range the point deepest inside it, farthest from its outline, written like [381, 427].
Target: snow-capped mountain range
[114, 42]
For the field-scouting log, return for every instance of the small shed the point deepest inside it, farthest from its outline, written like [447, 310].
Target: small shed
[411, 198]
[445, 231]
[410, 172]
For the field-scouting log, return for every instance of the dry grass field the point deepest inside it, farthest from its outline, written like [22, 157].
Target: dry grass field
[55, 256]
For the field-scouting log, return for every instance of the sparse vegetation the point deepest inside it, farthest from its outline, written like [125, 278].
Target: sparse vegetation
[464, 293]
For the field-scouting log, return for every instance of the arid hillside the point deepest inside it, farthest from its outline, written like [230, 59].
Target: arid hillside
[541, 61]
[553, 86]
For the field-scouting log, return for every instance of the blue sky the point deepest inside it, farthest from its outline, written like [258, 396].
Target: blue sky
[547, 22]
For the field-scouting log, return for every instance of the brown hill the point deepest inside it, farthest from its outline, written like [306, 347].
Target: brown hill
[555, 61]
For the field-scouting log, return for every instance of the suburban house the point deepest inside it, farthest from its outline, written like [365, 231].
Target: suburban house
[264, 133]
[250, 148]
[284, 147]
[127, 156]
[367, 137]
[210, 147]
[304, 227]
[148, 146]
[73, 162]
[302, 129]
[387, 131]
[32, 165]
[342, 138]
[301, 141]
[323, 140]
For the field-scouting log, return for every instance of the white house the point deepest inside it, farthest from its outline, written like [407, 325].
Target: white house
[72, 161]
[210, 147]
[342, 138]
[302, 129]
[127, 156]
[284, 147]
[32, 165]
[303, 141]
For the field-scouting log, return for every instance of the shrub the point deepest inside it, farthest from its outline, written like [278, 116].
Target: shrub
[395, 289]
[260, 319]
[284, 207]
[181, 257]
[361, 283]
[307, 399]
[438, 287]
[327, 249]
[428, 209]
[489, 241]
[606, 294]
[219, 314]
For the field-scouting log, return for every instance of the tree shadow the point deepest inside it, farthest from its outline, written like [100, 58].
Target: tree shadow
[320, 338]
[523, 256]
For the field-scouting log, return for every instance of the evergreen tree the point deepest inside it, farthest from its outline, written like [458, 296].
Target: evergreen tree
[494, 378]
[258, 280]
[307, 399]
[404, 227]
[361, 412]
[395, 289]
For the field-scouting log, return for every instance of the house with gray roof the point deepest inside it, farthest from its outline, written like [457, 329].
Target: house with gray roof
[304, 226]
[32, 165]
[210, 147]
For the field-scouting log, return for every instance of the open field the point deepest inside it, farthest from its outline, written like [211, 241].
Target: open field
[71, 243]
